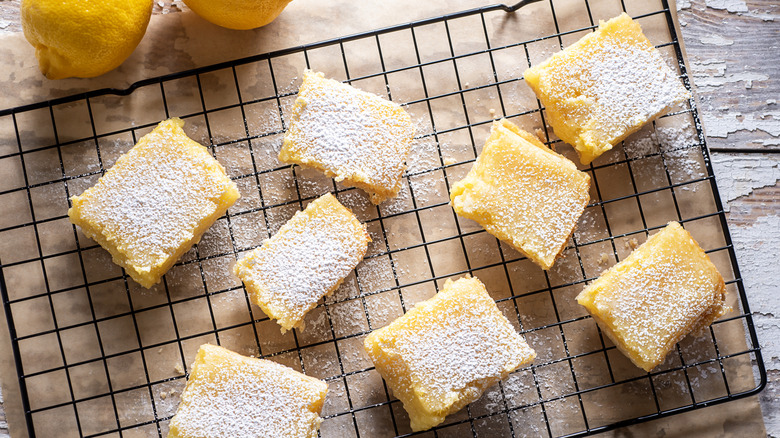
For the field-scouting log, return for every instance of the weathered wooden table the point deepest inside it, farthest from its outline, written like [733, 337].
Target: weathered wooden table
[734, 50]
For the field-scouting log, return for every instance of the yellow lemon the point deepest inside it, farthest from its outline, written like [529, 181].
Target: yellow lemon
[238, 14]
[83, 38]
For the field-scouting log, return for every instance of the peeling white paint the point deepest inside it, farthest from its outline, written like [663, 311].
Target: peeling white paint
[729, 5]
[716, 40]
[768, 142]
[756, 248]
[737, 7]
[723, 125]
[712, 73]
[738, 175]
[683, 4]
[765, 16]
[757, 258]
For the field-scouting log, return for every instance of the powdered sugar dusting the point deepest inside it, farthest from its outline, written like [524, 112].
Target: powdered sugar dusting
[650, 141]
[678, 146]
[352, 135]
[630, 85]
[462, 348]
[155, 197]
[308, 258]
[239, 397]
[660, 293]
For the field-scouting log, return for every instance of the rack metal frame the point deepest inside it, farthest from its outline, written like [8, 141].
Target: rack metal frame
[742, 314]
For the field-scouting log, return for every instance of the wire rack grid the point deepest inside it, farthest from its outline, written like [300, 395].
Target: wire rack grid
[97, 355]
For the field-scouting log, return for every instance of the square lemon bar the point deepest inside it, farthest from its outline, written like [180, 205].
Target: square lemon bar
[349, 134]
[605, 86]
[664, 290]
[442, 354]
[305, 260]
[155, 202]
[230, 395]
[523, 193]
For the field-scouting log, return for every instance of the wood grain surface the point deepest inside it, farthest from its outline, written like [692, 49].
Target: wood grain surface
[734, 51]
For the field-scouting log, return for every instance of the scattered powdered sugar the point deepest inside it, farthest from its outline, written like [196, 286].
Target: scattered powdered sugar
[375, 274]
[642, 143]
[493, 399]
[424, 155]
[517, 385]
[680, 154]
[676, 137]
[309, 256]
[400, 203]
[648, 141]
[589, 226]
[347, 289]
[425, 189]
[277, 217]
[684, 166]
[348, 317]
[350, 134]
[247, 399]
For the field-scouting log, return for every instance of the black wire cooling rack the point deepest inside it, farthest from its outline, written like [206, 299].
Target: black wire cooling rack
[97, 355]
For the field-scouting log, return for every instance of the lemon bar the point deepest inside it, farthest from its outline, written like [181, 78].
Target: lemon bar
[605, 86]
[442, 354]
[230, 395]
[155, 202]
[348, 134]
[664, 290]
[305, 260]
[523, 193]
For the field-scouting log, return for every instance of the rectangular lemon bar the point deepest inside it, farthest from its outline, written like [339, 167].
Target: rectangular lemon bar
[305, 260]
[605, 86]
[523, 193]
[230, 395]
[349, 134]
[664, 290]
[442, 354]
[155, 202]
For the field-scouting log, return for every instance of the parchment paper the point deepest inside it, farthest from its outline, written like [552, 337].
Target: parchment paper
[206, 296]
